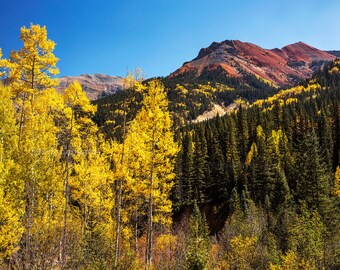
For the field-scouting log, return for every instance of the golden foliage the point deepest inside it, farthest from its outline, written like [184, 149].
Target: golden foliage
[33, 66]
[242, 252]
[286, 96]
[291, 261]
[337, 181]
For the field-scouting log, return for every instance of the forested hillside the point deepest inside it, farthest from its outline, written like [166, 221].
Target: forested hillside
[262, 171]
[129, 183]
[269, 172]
[189, 97]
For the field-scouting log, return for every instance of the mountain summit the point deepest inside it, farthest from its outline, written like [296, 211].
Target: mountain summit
[234, 58]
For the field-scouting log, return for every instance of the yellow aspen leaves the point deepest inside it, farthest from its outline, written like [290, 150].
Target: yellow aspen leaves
[34, 65]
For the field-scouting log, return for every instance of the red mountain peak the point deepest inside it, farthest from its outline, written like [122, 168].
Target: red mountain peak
[237, 58]
[303, 52]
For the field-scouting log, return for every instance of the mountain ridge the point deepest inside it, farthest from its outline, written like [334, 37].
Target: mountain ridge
[95, 85]
[241, 61]
[279, 67]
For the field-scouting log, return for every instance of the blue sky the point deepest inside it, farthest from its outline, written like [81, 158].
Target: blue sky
[112, 36]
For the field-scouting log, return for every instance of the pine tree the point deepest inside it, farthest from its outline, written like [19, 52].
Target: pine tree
[312, 174]
[281, 193]
[232, 155]
[218, 186]
[243, 133]
[201, 165]
[264, 165]
[326, 140]
[187, 178]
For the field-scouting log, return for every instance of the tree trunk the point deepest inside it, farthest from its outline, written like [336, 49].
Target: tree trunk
[119, 195]
[148, 251]
[67, 196]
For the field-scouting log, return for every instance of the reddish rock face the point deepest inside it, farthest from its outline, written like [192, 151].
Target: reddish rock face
[95, 86]
[280, 67]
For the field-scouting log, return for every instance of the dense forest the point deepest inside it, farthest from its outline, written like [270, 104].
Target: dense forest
[267, 172]
[127, 182]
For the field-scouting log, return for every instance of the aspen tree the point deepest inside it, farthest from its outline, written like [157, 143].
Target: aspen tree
[28, 72]
[76, 126]
[31, 68]
[11, 207]
[133, 84]
[157, 151]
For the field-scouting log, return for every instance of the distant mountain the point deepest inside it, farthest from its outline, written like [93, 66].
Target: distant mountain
[236, 59]
[95, 86]
[336, 53]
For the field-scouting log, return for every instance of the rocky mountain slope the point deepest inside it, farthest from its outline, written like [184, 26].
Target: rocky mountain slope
[279, 67]
[96, 85]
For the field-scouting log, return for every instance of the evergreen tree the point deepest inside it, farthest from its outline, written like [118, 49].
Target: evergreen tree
[326, 140]
[187, 179]
[201, 166]
[264, 165]
[233, 161]
[243, 133]
[312, 174]
[218, 186]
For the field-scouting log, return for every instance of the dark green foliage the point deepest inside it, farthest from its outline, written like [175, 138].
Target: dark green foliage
[243, 133]
[112, 110]
[201, 166]
[281, 193]
[233, 161]
[233, 201]
[218, 180]
[313, 178]
[187, 169]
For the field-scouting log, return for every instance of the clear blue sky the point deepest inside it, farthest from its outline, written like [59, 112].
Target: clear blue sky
[113, 36]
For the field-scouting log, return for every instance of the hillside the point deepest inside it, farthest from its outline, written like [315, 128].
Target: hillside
[267, 171]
